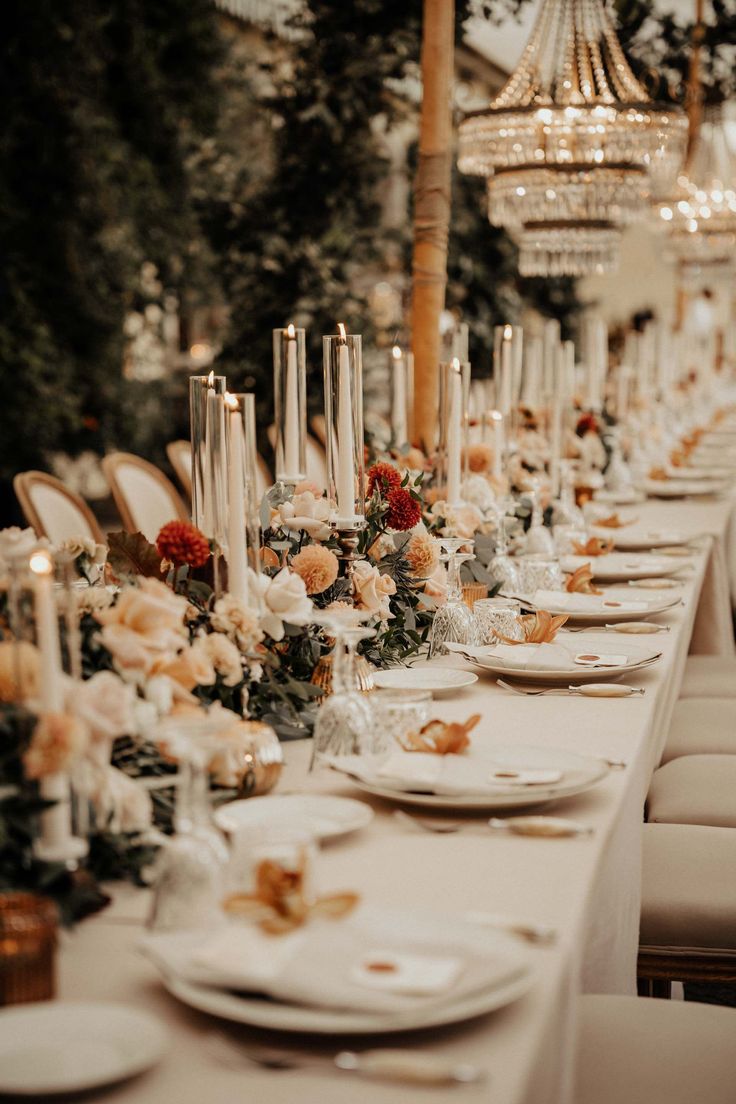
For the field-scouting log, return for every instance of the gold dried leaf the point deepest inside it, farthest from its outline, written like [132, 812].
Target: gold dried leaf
[538, 628]
[593, 547]
[441, 737]
[657, 473]
[279, 905]
[581, 581]
[613, 521]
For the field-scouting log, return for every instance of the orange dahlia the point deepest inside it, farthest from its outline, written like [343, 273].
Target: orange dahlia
[317, 566]
[183, 543]
[383, 476]
[404, 512]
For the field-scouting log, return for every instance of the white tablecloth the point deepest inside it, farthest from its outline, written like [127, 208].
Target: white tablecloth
[588, 888]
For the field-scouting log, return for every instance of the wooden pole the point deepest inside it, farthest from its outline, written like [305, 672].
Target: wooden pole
[432, 213]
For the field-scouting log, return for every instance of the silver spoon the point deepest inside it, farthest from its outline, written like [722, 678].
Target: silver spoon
[439, 827]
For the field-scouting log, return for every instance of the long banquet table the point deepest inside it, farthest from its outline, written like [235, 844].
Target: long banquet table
[588, 888]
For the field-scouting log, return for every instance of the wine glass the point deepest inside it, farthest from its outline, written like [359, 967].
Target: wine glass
[188, 884]
[344, 724]
[565, 510]
[502, 568]
[453, 622]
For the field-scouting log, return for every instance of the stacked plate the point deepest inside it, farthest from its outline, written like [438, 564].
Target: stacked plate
[618, 567]
[638, 540]
[683, 488]
[598, 609]
[560, 662]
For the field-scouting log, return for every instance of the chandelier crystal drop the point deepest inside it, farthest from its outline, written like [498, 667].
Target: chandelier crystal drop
[572, 144]
[699, 215]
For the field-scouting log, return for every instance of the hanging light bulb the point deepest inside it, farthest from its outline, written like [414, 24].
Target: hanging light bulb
[572, 144]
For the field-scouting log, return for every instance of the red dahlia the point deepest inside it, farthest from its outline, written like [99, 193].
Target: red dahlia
[383, 476]
[183, 543]
[404, 512]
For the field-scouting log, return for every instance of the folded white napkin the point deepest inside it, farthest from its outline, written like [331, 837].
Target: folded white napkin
[447, 775]
[328, 963]
[584, 603]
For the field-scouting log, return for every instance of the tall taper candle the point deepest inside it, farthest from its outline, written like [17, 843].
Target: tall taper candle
[291, 406]
[345, 475]
[454, 432]
[237, 574]
[398, 370]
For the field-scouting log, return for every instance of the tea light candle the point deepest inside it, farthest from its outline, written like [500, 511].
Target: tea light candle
[236, 545]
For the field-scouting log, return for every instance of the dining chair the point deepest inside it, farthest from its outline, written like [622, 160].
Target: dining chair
[694, 789]
[145, 498]
[688, 909]
[633, 1051]
[53, 510]
[180, 458]
[709, 676]
[701, 726]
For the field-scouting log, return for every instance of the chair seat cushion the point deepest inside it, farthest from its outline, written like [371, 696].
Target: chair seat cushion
[641, 1051]
[709, 677]
[688, 887]
[694, 789]
[702, 726]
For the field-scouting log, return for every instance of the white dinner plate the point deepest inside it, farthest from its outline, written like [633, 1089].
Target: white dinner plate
[576, 672]
[700, 471]
[607, 609]
[440, 680]
[321, 815]
[629, 497]
[642, 541]
[73, 1046]
[280, 1016]
[683, 488]
[617, 567]
[580, 773]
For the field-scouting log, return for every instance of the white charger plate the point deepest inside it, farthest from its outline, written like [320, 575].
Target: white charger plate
[610, 614]
[279, 1016]
[619, 498]
[642, 542]
[578, 673]
[441, 681]
[73, 1046]
[616, 567]
[683, 488]
[321, 815]
[583, 772]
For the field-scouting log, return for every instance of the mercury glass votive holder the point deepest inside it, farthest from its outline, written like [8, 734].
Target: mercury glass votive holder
[28, 936]
[538, 574]
[399, 713]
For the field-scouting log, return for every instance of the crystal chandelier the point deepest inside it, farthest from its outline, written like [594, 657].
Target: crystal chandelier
[571, 144]
[700, 213]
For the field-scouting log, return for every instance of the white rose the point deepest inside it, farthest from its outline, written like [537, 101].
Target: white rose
[372, 589]
[105, 703]
[120, 803]
[308, 512]
[284, 598]
[478, 492]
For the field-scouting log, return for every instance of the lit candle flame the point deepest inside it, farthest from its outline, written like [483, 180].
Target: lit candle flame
[508, 333]
[396, 352]
[231, 401]
[496, 415]
[211, 379]
[342, 332]
[291, 332]
[455, 364]
[41, 563]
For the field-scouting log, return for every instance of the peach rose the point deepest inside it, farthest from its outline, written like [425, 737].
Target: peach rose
[58, 740]
[372, 589]
[145, 626]
[105, 704]
[192, 667]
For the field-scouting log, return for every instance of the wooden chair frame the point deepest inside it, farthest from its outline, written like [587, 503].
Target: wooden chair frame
[110, 465]
[23, 484]
[658, 967]
[183, 471]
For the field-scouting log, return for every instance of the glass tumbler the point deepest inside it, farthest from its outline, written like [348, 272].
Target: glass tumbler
[497, 617]
[400, 713]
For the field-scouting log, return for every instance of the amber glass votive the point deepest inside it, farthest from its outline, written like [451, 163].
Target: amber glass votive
[28, 933]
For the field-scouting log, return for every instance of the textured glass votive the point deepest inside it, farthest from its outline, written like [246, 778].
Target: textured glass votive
[28, 931]
[495, 617]
[538, 574]
[398, 714]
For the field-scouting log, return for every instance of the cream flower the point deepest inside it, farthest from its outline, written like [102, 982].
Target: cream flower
[105, 704]
[460, 521]
[93, 599]
[382, 546]
[16, 543]
[477, 491]
[192, 667]
[436, 585]
[83, 546]
[237, 620]
[58, 740]
[372, 589]
[282, 599]
[308, 512]
[224, 656]
[144, 627]
[120, 803]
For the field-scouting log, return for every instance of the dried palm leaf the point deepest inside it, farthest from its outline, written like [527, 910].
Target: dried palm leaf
[581, 581]
[593, 547]
[441, 737]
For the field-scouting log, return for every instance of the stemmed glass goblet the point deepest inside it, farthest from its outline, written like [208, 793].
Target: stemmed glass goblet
[344, 724]
[453, 622]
